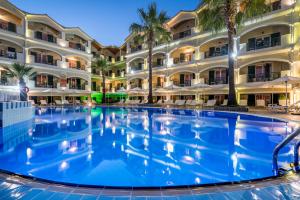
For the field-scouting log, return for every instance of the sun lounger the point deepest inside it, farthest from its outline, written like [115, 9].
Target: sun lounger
[194, 103]
[66, 102]
[58, 103]
[225, 102]
[77, 102]
[180, 102]
[210, 103]
[160, 102]
[121, 102]
[169, 102]
[43, 103]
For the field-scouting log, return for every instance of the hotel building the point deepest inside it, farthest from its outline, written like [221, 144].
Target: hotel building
[115, 72]
[61, 56]
[266, 48]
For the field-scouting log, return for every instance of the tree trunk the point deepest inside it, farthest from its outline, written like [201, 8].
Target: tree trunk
[23, 90]
[103, 88]
[230, 18]
[150, 43]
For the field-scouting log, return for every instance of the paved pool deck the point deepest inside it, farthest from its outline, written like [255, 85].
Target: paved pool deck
[285, 187]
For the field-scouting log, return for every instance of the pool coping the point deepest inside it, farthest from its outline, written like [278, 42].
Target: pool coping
[158, 191]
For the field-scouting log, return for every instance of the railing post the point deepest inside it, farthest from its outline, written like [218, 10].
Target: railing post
[279, 147]
[296, 156]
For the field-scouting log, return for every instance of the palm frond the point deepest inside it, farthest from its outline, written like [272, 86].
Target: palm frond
[211, 19]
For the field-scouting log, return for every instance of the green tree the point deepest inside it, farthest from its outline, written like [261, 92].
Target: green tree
[218, 15]
[102, 65]
[19, 72]
[151, 30]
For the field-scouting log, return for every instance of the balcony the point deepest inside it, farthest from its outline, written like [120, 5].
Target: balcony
[262, 77]
[185, 83]
[77, 87]
[136, 49]
[45, 85]
[42, 60]
[184, 34]
[134, 69]
[77, 46]
[216, 81]
[11, 55]
[259, 44]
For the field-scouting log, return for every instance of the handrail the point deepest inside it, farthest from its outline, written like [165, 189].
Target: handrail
[280, 146]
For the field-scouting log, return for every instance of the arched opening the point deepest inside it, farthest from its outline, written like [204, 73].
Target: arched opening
[214, 48]
[76, 62]
[43, 56]
[43, 31]
[184, 54]
[265, 37]
[214, 76]
[136, 65]
[10, 50]
[158, 60]
[9, 21]
[182, 79]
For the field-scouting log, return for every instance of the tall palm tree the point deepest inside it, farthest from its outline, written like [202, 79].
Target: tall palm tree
[229, 14]
[101, 64]
[19, 72]
[151, 30]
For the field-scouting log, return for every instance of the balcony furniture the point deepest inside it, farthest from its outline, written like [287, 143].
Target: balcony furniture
[210, 103]
[260, 103]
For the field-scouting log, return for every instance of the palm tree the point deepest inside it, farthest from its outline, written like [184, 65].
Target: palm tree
[19, 72]
[151, 30]
[101, 64]
[229, 14]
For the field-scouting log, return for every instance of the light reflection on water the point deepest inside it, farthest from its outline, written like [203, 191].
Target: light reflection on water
[142, 147]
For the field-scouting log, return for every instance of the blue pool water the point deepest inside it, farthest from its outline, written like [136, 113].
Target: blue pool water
[140, 147]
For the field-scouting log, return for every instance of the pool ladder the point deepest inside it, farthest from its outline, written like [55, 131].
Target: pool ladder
[281, 145]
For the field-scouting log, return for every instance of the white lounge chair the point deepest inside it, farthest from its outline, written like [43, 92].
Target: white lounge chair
[180, 102]
[77, 102]
[121, 102]
[243, 102]
[260, 103]
[85, 102]
[43, 103]
[66, 102]
[144, 101]
[160, 102]
[225, 102]
[210, 103]
[58, 103]
[169, 102]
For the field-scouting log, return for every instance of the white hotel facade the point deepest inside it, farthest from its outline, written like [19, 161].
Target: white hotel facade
[267, 48]
[61, 56]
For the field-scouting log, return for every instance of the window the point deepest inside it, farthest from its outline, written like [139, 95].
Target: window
[276, 5]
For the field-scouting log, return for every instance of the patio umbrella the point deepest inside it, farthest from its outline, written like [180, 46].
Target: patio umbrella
[285, 80]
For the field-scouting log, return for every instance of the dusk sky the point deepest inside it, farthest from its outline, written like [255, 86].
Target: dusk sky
[105, 20]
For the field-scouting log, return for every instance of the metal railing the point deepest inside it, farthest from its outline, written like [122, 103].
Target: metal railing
[287, 140]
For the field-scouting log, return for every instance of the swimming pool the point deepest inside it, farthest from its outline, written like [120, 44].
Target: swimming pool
[143, 147]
